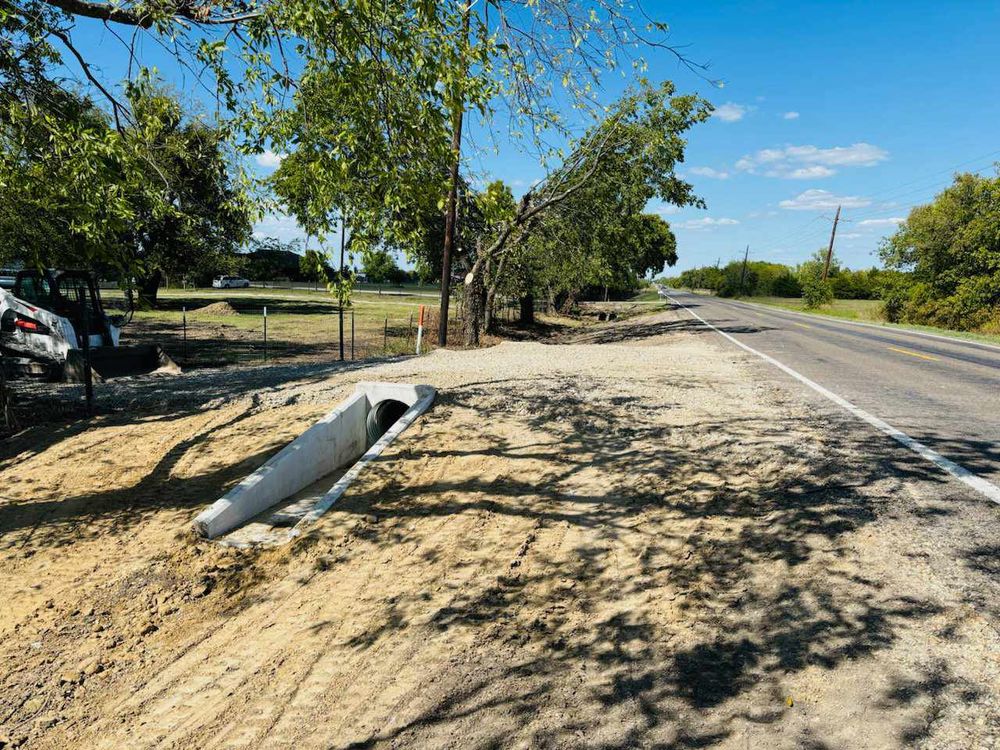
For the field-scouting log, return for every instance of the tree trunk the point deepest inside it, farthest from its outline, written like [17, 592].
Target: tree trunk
[528, 309]
[149, 287]
[474, 307]
[489, 316]
[451, 215]
[568, 304]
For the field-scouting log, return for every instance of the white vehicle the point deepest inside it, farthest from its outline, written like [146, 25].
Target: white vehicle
[230, 282]
[44, 319]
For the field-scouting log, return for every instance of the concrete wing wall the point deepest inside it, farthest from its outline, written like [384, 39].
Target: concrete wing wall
[332, 443]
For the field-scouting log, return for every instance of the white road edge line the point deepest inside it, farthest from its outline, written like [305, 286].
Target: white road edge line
[960, 473]
[830, 319]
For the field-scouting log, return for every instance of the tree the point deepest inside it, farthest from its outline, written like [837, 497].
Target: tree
[817, 291]
[155, 198]
[628, 158]
[813, 268]
[379, 266]
[374, 84]
[210, 216]
[652, 245]
[951, 249]
[312, 266]
[560, 40]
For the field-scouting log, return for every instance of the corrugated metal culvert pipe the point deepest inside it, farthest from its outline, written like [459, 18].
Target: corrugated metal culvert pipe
[383, 416]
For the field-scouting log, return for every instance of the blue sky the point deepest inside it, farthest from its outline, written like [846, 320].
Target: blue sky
[872, 105]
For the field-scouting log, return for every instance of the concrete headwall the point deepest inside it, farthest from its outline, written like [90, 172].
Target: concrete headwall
[335, 441]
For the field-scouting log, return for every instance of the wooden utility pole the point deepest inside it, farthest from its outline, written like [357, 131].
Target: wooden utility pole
[829, 250]
[743, 273]
[451, 215]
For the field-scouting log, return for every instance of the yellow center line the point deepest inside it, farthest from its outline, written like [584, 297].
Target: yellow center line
[801, 325]
[913, 354]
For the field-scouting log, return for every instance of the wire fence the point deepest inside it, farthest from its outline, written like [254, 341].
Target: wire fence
[257, 334]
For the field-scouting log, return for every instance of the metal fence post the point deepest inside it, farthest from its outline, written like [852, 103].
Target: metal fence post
[385, 336]
[420, 328]
[265, 333]
[184, 320]
[88, 374]
[352, 333]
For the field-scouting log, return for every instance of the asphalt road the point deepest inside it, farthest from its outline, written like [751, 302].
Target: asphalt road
[943, 393]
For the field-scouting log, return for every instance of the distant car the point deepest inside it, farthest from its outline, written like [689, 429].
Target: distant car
[230, 282]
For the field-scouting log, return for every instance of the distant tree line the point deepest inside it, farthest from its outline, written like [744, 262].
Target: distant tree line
[763, 279]
[271, 259]
[942, 266]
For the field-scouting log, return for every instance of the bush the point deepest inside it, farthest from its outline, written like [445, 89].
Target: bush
[817, 292]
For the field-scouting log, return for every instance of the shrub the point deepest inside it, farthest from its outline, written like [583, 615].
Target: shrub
[817, 293]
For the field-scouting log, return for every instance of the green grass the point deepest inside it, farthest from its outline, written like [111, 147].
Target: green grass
[646, 295]
[301, 325]
[867, 311]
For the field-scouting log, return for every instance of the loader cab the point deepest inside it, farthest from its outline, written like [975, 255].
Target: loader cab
[68, 294]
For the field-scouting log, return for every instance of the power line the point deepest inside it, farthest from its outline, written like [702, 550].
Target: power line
[791, 240]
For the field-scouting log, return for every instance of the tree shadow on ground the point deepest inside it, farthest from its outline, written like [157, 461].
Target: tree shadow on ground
[63, 520]
[692, 603]
[628, 332]
[707, 562]
[153, 397]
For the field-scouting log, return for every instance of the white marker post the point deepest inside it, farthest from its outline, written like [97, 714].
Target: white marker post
[420, 328]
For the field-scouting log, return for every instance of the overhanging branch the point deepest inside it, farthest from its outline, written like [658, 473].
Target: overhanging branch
[199, 14]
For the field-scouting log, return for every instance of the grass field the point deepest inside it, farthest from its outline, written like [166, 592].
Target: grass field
[866, 311]
[650, 294]
[226, 326]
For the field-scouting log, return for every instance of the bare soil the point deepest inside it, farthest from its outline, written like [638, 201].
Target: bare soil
[633, 538]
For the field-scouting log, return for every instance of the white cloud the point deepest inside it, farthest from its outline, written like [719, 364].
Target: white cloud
[804, 162]
[790, 116]
[714, 174]
[823, 200]
[269, 159]
[895, 221]
[730, 112]
[706, 223]
[809, 173]
[662, 209]
[281, 226]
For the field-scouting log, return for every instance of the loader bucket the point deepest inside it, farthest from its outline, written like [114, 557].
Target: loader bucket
[118, 362]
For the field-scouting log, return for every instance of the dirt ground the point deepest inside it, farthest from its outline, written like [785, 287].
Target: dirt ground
[636, 537]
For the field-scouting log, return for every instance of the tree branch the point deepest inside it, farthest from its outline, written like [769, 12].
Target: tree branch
[129, 16]
[116, 106]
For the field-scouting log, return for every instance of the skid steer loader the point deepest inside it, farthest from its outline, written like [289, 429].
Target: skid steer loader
[45, 317]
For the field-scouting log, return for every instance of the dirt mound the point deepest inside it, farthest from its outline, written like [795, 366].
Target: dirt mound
[217, 308]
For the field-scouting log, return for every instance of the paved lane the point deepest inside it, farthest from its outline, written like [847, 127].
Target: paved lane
[943, 392]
